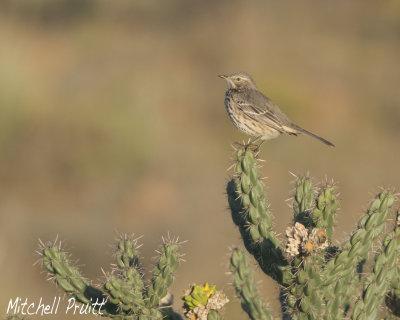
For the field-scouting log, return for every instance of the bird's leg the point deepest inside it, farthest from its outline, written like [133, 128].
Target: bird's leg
[253, 142]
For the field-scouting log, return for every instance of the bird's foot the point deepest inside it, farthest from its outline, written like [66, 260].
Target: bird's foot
[251, 145]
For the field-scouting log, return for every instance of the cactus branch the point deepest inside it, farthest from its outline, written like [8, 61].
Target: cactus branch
[61, 270]
[377, 283]
[250, 213]
[344, 266]
[163, 273]
[325, 209]
[303, 201]
[245, 288]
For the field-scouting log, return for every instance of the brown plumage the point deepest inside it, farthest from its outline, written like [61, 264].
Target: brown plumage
[255, 114]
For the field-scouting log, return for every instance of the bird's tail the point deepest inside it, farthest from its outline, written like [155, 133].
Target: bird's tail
[300, 129]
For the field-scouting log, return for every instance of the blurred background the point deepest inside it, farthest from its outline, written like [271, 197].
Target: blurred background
[112, 121]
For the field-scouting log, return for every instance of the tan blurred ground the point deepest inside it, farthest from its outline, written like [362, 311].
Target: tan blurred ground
[112, 119]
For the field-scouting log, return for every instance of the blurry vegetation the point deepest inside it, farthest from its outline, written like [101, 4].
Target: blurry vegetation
[49, 12]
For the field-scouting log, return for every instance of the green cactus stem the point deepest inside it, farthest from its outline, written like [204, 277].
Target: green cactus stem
[125, 286]
[61, 270]
[163, 273]
[303, 202]
[377, 284]
[127, 255]
[325, 209]
[250, 213]
[306, 295]
[344, 266]
[243, 279]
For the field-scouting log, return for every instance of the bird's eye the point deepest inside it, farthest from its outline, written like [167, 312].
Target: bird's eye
[238, 79]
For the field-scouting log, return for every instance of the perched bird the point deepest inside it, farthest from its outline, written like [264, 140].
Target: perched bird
[255, 114]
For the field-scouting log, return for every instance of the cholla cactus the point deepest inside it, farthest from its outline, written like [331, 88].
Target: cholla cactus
[318, 280]
[124, 294]
[358, 280]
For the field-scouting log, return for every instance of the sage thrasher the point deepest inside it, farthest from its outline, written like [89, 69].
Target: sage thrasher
[255, 114]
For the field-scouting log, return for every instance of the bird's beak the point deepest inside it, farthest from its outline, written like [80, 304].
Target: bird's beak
[222, 76]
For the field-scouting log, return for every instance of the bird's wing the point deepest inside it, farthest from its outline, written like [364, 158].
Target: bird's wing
[258, 107]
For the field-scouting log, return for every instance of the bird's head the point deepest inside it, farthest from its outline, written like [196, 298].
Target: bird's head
[239, 80]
